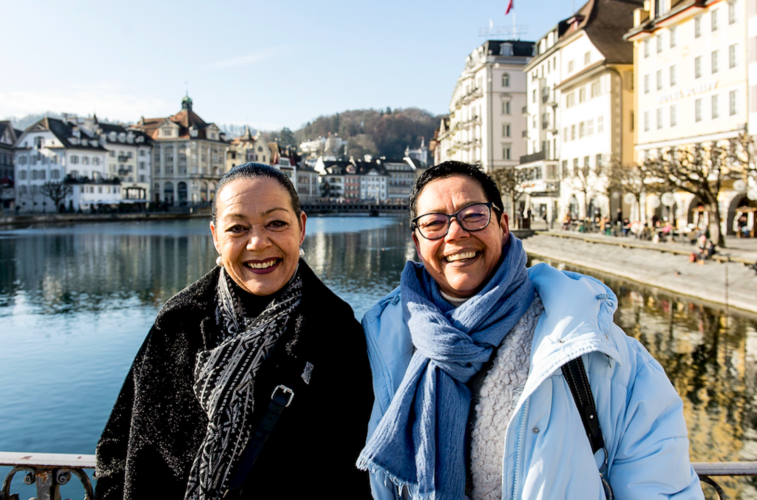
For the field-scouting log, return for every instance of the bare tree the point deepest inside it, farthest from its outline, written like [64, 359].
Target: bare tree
[700, 171]
[581, 180]
[56, 191]
[510, 181]
[634, 179]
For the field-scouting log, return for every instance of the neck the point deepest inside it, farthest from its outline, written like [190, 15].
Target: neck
[455, 301]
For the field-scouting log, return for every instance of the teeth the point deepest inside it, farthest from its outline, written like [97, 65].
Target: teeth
[261, 265]
[461, 256]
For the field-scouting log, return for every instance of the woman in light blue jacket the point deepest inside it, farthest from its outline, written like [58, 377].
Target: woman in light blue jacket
[470, 398]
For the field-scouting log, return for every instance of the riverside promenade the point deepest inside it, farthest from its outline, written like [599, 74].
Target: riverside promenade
[728, 280]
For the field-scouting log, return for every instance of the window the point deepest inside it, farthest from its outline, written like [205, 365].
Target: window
[506, 152]
[646, 121]
[646, 48]
[587, 163]
[112, 154]
[672, 37]
[142, 152]
[659, 118]
[598, 164]
[570, 100]
[714, 19]
[698, 110]
[732, 12]
[659, 79]
[658, 40]
[714, 61]
[506, 79]
[506, 130]
[575, 167]
[141, 165]
[698, 67]
[581, 130]
[732, 56]
[673, 115]
[600, 124]
[74, 159]
[587, 58]
[565, 168]
[22, 160]
[55, 174]
[714, 106]
[595, 88]
[572, 132]
[581, 94]
[533, 96]
[566, 137]
[697, 27]
[85, 160]
[590, 127]
[505, 107]
[732, 102]
[646, 84]
[95, 161]
[22, 175]
[673, 79]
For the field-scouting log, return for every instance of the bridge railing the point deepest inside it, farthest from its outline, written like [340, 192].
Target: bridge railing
[48, 472]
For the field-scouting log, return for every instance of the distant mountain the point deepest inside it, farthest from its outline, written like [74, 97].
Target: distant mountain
[369, 131]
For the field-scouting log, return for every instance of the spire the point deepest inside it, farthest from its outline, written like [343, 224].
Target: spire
[186, 103]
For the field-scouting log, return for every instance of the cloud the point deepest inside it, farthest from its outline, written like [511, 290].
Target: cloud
[256, 57]
[107, 99]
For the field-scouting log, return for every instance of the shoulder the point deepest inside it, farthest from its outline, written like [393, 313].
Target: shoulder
[320, 299]
[195, 298]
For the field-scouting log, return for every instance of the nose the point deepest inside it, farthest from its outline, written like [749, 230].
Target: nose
[258, 239]
[455, 231]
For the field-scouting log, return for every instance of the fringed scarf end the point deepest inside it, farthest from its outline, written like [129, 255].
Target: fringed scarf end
[391, 480]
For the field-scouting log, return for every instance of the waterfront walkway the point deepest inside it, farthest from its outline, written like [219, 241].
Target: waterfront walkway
[663, 265]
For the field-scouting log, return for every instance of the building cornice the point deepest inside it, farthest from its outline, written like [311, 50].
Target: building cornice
[694, 139]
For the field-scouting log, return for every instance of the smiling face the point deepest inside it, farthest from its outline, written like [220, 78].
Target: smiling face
[258, 234]
[461, 262]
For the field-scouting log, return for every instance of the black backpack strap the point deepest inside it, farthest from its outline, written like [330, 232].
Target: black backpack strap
[575, 375]
[281, 398]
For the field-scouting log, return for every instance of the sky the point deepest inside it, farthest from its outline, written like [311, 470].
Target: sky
[270, 65]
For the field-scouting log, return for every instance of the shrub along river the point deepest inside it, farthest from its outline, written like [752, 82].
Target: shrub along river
[77, 301]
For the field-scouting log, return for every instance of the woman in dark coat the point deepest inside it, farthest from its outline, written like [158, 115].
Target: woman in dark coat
[260, 325]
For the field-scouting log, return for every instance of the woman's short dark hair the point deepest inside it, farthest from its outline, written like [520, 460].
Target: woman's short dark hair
[450, 169]
[252, 170]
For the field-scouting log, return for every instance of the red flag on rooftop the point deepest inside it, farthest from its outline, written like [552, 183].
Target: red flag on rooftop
[509, 7]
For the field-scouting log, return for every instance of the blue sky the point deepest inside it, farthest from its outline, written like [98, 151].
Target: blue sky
[273, 64]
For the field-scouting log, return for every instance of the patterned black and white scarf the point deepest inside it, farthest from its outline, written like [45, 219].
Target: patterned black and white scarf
[224, 382]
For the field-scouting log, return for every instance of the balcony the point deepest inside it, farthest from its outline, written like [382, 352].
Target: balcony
[524, 134]
[541, 155]
[123, 158]
[524, 111]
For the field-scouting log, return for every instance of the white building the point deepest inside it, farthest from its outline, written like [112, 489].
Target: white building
[374, 180]
[402, 175]
[55, 150]
[189, 156]
[485, 124]
[692, 80]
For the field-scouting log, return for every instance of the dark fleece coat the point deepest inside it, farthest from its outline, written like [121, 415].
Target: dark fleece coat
[157, 425]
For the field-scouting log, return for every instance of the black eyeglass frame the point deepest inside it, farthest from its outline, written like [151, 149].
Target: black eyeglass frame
[489, 205]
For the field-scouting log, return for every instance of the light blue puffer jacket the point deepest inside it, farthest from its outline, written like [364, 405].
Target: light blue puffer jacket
[547, 454]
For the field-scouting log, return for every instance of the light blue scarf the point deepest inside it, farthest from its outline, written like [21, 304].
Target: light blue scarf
[420, 441]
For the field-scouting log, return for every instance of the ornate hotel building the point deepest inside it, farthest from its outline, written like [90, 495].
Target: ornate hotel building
[692, 84]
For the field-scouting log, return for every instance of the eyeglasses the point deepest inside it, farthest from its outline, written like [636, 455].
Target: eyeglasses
[471, 218]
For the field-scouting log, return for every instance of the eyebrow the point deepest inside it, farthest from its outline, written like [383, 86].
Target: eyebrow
[244, 217]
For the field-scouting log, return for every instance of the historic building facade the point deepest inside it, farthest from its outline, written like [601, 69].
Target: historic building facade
[8, 137]
[189, 156]
[485, 126]
[692, 81]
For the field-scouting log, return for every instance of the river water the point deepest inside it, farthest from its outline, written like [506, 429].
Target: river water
[76, 302]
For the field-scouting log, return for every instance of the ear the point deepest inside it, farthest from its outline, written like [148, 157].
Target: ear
[417, 245]
[303, 222]
[504, 224]
[215, 236]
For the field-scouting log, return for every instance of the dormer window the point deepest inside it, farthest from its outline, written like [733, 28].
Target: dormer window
[140, 139]
[121, 137]
[167, 132]
[506, 49]
[193, 132]
[112, 137]
[130, 137]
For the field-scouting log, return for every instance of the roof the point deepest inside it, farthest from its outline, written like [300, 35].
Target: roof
[365, 168]
[186, 119]
[64, 132]
[605, 22]
[676, 7]
[5, 125]
[107, 128]
[339, 167]
[520, 48]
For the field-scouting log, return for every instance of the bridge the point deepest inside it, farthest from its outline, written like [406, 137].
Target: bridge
[372, 209]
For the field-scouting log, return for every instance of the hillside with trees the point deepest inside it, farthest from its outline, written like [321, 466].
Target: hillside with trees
[368, 131]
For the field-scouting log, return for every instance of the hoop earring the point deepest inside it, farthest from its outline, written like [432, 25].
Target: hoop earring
[219, 261]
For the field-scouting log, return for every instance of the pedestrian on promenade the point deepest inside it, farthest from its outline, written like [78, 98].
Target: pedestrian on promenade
[471, 400]
[257, 337]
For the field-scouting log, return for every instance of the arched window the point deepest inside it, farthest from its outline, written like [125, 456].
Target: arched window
[506, 79]
[181, 192]
[168, 193]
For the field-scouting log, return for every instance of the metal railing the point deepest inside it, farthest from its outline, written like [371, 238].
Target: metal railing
[49, 471]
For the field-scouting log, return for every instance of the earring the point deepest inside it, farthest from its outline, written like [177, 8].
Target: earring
[219, 261]
[302, 253]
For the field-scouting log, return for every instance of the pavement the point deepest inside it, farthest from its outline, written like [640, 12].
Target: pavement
[728, 280]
